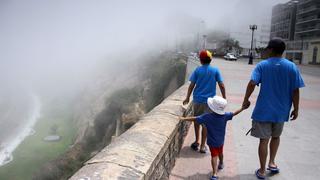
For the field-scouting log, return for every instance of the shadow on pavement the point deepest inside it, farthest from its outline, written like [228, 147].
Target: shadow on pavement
[196, 176]
[187, 152]
[199, 176]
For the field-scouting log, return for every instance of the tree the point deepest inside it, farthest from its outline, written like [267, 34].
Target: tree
[228, 45]
[54, 129]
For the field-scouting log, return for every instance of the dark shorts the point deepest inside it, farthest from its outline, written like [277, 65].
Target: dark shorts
[265, 130]
[216, 151]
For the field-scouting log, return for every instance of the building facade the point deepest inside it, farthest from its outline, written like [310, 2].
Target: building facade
[308, 30]
[308, 19]
[283, 20]
[299, 25]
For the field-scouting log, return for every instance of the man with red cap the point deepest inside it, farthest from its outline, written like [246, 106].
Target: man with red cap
[203, 84]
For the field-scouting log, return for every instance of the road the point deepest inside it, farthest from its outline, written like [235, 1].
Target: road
[299, 153]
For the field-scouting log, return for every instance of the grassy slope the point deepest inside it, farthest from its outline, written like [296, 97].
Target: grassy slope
[33, 151]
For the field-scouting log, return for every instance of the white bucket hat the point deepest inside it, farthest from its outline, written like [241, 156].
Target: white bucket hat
[217, 104]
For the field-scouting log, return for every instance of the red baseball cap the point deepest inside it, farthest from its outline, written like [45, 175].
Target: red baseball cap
[205, 54]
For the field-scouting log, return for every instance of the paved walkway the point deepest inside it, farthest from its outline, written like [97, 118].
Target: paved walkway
[299, 152]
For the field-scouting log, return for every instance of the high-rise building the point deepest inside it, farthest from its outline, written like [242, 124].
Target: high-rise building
[298, 23]
[308, 30]
[283, 20]
[308, 19]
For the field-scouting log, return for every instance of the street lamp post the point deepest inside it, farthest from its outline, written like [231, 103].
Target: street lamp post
[252, 27]
[200, 34]
[204, 44]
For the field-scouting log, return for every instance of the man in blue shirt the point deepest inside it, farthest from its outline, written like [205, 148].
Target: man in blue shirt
[280, 81]
[203, 82]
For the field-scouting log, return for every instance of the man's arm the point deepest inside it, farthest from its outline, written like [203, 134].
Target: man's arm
[187, 118]
[222, 89]
[295, 101]
[190, 89]
[250, 88]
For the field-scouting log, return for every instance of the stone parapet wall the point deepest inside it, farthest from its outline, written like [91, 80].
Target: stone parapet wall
[145, 151]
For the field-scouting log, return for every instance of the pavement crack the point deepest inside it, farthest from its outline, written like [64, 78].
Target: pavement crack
[172, 114]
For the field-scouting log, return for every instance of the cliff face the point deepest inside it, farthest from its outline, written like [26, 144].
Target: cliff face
[93, 100]
[113, 104]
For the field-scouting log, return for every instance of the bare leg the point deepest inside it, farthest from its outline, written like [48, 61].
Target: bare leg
[196, 131]
[221, 158]
[214, 165]
[263, 153]
[203, 137]
[274, 145]
[220, 161]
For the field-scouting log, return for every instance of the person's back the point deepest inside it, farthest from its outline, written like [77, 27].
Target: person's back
[278, 79]
[216, 122]
[216, 126]
[203, 84]
[205, 78]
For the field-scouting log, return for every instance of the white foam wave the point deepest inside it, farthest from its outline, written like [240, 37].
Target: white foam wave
[6, 149]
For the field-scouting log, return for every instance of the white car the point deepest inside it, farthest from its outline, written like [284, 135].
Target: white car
[230, 57]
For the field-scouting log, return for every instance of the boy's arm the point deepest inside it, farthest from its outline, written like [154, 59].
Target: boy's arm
[245, 106]
[222, 89]
[190, 89]
[187, 118]
[237, 111]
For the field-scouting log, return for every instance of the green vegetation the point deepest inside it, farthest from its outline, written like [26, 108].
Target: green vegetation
[161, 72]
[33, 152]
[225, 44]
[53, 160]
[65, 165]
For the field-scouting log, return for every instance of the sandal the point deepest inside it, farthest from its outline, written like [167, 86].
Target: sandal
[258, 175]
[214, 178]
[195, 146]
[273, 170]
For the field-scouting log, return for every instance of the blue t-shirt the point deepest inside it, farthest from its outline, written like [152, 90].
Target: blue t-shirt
[205, 78]
[216, 126]
[278, 78]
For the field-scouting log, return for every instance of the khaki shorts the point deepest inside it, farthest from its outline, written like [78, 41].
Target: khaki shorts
[265, 130]
[200, 108]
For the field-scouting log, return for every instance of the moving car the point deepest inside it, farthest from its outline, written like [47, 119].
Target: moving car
[230, 57]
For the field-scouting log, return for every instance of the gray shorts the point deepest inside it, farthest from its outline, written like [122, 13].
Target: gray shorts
[265, 130]
[200, 108]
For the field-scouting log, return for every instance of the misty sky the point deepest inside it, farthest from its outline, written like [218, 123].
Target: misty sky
[58, 42]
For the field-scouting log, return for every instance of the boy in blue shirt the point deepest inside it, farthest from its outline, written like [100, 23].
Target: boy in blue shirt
[203, 84]
[280, 81]
[215, 122]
